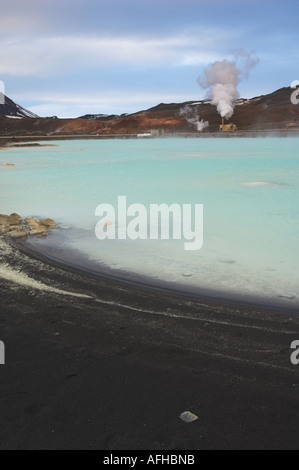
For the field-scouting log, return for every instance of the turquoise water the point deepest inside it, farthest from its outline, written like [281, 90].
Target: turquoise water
[249, 189]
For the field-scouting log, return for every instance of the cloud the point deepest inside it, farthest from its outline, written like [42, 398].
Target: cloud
[30, 17]
[52, 55]
[112, 97]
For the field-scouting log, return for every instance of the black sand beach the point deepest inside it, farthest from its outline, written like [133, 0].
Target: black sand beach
[93, 363]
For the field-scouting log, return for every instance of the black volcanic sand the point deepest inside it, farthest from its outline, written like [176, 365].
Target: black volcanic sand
[114, 368]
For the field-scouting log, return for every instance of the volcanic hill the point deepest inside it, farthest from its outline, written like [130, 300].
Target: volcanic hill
[272, 112]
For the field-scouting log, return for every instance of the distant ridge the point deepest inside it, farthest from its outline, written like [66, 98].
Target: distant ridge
[272, 112]
[99, 117]
[13, 110]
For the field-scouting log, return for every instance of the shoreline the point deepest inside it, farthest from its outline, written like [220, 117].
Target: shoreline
[99, 270]
[9, 140]
[99, 364]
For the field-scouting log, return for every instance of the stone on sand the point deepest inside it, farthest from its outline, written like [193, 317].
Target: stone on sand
[188, 417]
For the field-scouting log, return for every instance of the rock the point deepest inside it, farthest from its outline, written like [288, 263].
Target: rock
[12, 224]
[31, 222]
[14, 219]
[188, 417]
[13, 227]
[4, 219]
[49, 223]
[19, 234]
[9, 223]
[4, 228]
[38, 231]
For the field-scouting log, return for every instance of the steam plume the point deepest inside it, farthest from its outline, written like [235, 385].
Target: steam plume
[191, 115]
[222, 78]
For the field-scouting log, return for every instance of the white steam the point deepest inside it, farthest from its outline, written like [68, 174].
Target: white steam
[222, 78]
[191, 115]
[201, 125]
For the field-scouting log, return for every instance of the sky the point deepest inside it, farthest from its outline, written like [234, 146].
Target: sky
[72, 57]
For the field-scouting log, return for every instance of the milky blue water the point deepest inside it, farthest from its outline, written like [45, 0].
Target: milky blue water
[249, 188]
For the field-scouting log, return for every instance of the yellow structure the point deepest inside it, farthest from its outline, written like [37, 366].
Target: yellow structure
[227, 127]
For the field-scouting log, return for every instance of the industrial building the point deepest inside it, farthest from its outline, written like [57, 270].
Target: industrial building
[227, 127]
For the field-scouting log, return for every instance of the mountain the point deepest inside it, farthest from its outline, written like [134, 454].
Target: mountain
[12, 110]
[271, 112]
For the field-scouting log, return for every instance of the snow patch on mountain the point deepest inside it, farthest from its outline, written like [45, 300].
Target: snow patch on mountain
[10, 109]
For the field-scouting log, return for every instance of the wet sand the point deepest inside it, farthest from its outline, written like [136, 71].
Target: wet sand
[95, 363]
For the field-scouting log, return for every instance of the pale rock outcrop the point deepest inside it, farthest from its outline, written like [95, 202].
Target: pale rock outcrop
[4, 228]
[38, 231]
[14, 219]
[12, 225]
[4, 219]
[49, 223]
[19, 234]
[9, 223]
[31, 222]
